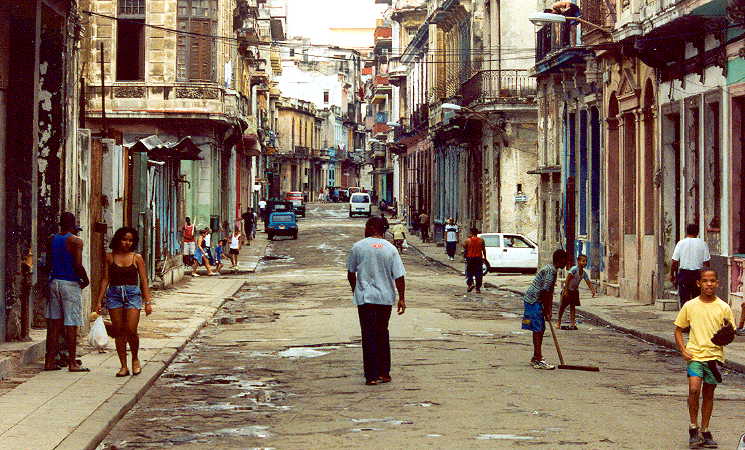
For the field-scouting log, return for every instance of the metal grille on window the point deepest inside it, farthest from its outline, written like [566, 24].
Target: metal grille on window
[132, 7]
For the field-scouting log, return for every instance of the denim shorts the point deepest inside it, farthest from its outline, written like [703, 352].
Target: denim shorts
[533, 319]
[65, 302]
[127, 297]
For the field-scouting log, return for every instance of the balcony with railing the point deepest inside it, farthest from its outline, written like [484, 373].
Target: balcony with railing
[420, 117]
[499, 86]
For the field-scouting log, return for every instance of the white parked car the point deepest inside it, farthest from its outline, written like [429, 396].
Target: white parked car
[360, 203]
[510, 251]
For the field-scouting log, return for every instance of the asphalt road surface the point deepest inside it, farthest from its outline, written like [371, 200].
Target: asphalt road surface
[281, 367]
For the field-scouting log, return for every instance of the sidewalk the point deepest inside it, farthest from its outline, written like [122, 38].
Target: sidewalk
[640, 320]
[75, 410]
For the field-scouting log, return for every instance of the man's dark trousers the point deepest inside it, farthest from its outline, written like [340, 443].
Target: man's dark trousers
[376, 347]
[474, 269]
[687, 287]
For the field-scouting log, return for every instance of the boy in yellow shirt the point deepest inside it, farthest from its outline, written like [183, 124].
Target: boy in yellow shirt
[705, 315]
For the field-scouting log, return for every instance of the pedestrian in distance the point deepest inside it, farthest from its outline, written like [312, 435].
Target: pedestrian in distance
[235, 248]
[399, 235]
[200, 255]
[375, 272]
[538, 303]
[262, 208]
[570, 293]
[188, 234]
[64, 306]
[475, 253]
[424, 226]
[124, 285]
[219, 252]
[691, 254]
[452, 237]
[207, 245]
[705, 315]
[248, 225]
[741, 326]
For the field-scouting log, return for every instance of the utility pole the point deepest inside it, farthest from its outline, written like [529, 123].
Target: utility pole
[104, 127]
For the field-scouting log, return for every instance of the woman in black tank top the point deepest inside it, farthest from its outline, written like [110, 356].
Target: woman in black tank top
[123, 286]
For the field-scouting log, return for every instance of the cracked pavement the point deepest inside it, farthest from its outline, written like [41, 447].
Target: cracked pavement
[280, 366]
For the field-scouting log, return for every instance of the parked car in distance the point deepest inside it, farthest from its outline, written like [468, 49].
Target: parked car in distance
[282, 224]
[509, 251]
[360, 203]
[298, 202]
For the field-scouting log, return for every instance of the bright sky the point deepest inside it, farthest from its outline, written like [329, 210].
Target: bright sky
[313, 18]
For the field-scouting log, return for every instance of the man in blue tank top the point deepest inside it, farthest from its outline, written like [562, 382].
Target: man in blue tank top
[65, 303]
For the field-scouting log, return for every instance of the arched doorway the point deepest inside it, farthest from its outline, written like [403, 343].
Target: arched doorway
[613, 186]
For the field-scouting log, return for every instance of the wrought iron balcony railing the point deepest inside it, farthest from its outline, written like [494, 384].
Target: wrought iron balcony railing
[500, 86]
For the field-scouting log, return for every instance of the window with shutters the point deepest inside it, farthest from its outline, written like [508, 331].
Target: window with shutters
[196, 54]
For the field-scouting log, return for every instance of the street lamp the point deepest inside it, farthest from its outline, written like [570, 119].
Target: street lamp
[544, 18]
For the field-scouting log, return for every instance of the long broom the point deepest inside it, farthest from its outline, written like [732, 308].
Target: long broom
[561, 357]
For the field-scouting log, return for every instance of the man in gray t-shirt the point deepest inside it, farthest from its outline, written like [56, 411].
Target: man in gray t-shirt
[374, 267]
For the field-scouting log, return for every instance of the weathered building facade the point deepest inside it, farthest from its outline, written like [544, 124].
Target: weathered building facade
[640, 124]
[45, 159]
[156, 73]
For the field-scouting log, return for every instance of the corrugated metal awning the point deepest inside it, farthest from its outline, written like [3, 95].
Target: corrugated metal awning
[157, 150]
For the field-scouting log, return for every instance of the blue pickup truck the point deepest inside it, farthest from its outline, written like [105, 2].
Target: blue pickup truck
[282, 224]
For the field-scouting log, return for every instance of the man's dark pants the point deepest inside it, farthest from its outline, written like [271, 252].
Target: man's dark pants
[450, 247]
[474, 269]
[376, 347]
[687, 287]
[424, 229]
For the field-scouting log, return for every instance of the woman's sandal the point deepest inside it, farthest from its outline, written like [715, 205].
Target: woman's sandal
[137, 371]
[120, 374]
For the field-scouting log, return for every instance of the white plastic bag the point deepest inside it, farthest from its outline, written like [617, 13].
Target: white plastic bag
[98, 338]
[405, 244]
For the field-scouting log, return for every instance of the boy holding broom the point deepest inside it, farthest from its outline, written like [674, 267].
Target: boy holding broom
[538, 302]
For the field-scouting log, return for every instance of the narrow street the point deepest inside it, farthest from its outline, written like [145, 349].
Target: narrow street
[280, 366]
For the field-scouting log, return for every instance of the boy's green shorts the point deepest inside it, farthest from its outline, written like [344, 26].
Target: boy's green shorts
[701, 369]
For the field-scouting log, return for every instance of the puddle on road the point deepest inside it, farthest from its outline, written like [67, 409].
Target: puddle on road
[386, 420]
[301, 352]
[507, 437]
[423, 404]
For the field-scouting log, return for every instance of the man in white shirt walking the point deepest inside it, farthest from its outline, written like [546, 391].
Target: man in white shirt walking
[375, 272]
[691, 254]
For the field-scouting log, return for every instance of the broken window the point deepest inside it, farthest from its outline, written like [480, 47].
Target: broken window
[196, 53]
[692, 152]
[583, 173]
[738, 165]
[712, 181]
[130, 41]
[629, 174]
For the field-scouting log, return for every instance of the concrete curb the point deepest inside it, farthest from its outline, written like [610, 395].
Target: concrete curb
[33, 351]
[600, 319]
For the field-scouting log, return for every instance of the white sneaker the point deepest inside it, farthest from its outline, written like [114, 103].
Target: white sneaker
[542, 364]
[194, 274]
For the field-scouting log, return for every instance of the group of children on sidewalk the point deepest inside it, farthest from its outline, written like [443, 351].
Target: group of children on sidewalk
[706, 318]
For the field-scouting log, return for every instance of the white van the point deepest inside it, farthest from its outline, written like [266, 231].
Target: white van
[360, 203]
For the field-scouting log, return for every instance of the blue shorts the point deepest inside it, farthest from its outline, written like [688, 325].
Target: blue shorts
[127, 297]
[533, 319]
[65, 302]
